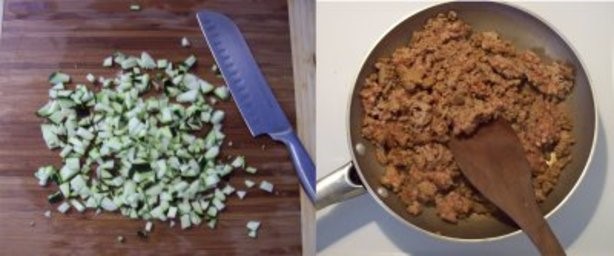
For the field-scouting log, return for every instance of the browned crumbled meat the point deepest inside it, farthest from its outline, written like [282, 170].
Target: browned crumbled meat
[447, 81]
[467, 117]
[414, 208]
[491, 42]
[385, 72]
[392, 178]
[399, 157]
[453, 206]
[409, 77]
[554, 79]
[426, 191]
[505, 67]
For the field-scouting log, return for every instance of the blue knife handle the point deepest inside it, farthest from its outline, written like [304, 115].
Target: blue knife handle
[302, 162]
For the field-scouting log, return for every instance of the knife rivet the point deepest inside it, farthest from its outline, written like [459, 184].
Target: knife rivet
[383, 192]
[360, 148]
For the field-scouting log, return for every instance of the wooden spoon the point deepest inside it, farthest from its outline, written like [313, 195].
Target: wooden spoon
[494, 161]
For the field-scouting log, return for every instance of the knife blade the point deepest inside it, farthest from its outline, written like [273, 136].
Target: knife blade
[251, 92]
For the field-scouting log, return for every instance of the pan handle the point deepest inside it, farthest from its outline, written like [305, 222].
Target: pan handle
[340, 185]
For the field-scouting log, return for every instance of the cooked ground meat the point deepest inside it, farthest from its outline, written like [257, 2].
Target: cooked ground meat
[446, 82]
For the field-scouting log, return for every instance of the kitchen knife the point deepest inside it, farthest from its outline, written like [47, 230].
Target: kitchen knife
[251, 92]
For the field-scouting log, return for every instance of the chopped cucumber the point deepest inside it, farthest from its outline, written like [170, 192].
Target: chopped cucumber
[172, 212]
[147, 62]
[130, 62]
[185, 42]
[221, 92]
[251, 170]
[241, 194]
[44, 173]
[162, 63]
[50, 136]
[238, 162]
[108, 205]
[58, 77]
[252, 228]
[91, 78]
[189, 96]
[252, 233]
[212, 223]
[253, 225]
[249, 183]
[55, 197]
[64, 207]
[266, 186]
[205, 87]
[107, 62]
[148, 226]
[141, 156]
[185, 221]
[190, 61]
[77, 205]
[228, 189]
[217, 116]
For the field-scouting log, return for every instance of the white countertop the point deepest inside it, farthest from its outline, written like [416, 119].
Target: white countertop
[346, 32]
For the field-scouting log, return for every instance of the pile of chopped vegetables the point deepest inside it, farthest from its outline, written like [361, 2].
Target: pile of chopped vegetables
[131, 144]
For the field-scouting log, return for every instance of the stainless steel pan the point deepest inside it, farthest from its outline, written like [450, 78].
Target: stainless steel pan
[526, 31]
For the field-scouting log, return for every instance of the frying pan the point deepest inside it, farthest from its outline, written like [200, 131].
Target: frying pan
[526, 31]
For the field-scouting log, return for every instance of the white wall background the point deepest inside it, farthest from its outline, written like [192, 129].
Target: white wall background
[346, 31]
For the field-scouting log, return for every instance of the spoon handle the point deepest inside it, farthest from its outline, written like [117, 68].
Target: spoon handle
[538, 230]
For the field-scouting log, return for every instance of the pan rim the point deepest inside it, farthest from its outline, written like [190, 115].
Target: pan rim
[372, 193]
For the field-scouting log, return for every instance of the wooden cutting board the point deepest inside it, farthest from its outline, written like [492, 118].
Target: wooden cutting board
[303, 36]
[39, 37]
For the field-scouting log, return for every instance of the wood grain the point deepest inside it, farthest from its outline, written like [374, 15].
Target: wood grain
[39, 37]
[302, 34]
[1, 13]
